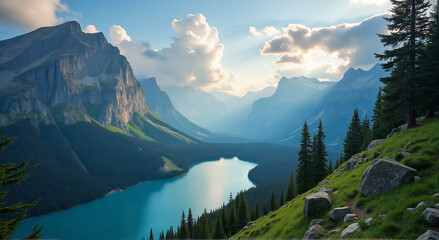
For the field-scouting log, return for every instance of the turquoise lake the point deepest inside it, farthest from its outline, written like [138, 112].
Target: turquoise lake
[157, 204]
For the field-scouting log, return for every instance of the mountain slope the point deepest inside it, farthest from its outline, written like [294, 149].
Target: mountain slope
[289, 222]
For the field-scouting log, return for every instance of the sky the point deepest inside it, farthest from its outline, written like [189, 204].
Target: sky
[231, 45]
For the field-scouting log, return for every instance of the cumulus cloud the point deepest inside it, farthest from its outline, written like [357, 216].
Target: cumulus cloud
[368, 2]
[268, 30]
[91, 29]
[193, 58]
[332, 48]
[31, 14]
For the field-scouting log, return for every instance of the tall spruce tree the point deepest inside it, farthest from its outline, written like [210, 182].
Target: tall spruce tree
[379, 129]
[281, 198]
[257, 211]
[151, 236]
[353, 141]
[291, 188]
[407, 27]
[272, 204]
[304, 167]
[429, 89]
[320, 170]
[183, 229]
[190, 223]
[330, 168]
[366, 132]
[232, 217]
[12, 174]
[224, 219]
[243, 214]
[218, 230]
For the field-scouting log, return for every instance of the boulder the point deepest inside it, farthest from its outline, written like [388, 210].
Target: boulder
[381, 217]
[315, 203]
[316, 221]
[334, 231]
[393, 132]
[325, 189]
[350, 217]
[429, 235]
[314, 232]
[375, 143]
[354, 227]
[385, 175]
[404, 127]
[417, 179]
[410, 209]
[431, 215]
[421, 204]
[351, 163]
[436, 195]
[338, 213]
[368, 221]
[436, 205]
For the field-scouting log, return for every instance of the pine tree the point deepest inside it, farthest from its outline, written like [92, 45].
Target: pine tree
[304, 167]
[291, 189]
[232, 217]
[281, 198]
[183, 233]
[11, 175]
[379, 129]
[330, 168]
[224, 219]
[265, 209]
[243, 216]
[429, 89]
[353, 141]
[190, 223]
[257, 211]
[366, 132]
[407, 35]
[273, 205]
[170, 233]
[319, 160]
[151, 236]
[218, 232]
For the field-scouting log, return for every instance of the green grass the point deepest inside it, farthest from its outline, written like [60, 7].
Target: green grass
[289, 222]
[169, 165]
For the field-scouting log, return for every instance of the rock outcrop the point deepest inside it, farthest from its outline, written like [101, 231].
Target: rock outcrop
[354, 227]
[384, 175]
[339, 213]
[431, 215]
[375, 143]
[429, 235]
[316, 221]
[315, 203]
[314, 232]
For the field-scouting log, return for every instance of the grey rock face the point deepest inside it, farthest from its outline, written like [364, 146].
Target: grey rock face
[393, 132]
[338, 213]
[63, 65]
[384, 175]
[429, 235]
[325, 189]
[431, 215]
[316, 202]
[314, 232]
[375, 143]
[316, 221]
[350, 217]
[351, 163]
[368, 221]
[354, 227]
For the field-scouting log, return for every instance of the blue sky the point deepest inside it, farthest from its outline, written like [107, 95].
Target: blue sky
[241, 60]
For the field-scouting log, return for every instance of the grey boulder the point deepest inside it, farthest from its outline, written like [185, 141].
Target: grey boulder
[429, 235]
[338, 213]
[385, 175]
[368, 221]
[316, 221]
[315, 203]
[417, 179]
[382, 217]
[351, 163]
[314, 232]
[393, 132]
[421, 204]
[375, 143]
[431, 215]
[354, 227]
[350, 217]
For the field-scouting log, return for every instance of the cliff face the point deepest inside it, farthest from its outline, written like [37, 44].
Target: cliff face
[63, 65]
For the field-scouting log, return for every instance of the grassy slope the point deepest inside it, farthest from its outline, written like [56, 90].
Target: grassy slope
[289, 222]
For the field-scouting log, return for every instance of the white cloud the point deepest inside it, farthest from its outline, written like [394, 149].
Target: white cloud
[327, 52]
[31, 14]
[368, 2]
[194, 57]
[91, 29]
[118, 35]
[268, 30]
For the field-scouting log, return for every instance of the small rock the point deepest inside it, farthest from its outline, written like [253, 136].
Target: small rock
[410, 209]
[354, 227]
[350, 217]
[421, 204]
[429, 235]
[350, 164]
[417, 179]
[384, 175]
[338, 213]
[420, 118]
[436, 195]
[335, 192]
[244, 228]
[323, 183]
[269, 213]
[341, 169]
[404, 127]
[382, 217]
[411, 143]
[316, 221]
[365, 160]
[315, 203]
[325, 189]
[314, 232]
[436, 205]
[431, 215]
[368, 221]
[334, 231]
[249, 223]
[375, 143]
[393, 132]
[406, 154]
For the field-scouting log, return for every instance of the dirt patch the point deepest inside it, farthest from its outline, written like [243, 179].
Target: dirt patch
[361, 214]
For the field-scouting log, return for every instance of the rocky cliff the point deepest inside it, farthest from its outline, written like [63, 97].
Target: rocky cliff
[58, 65]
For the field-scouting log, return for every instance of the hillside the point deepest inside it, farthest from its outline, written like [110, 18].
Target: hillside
[401, 220]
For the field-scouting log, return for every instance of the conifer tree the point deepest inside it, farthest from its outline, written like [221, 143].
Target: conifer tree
[257, 211]
[281, 198]
[304, 167]
[243, 216]
[170, 233]
[291, 189]
[190, 223]
[320, 169]
[330, 168]
[12, 174]
[151, 236]
[183, 229]
[265, 209]
[232, 217]
[273, 205]
[218, 232]
[366, 132]
[407, 27]
[224, 219]
[353, 141]
[378, 127]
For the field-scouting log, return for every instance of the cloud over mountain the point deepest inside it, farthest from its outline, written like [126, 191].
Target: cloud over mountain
[332, 48]
[91, 29]
[193, 58]
[31, 14]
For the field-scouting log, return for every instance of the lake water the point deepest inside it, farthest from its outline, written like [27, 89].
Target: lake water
[157, 204]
